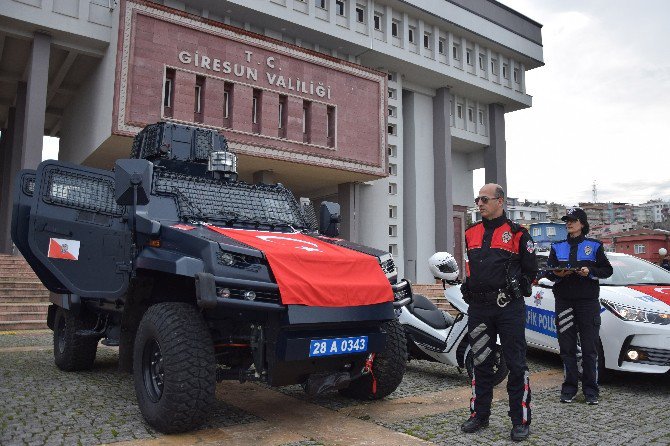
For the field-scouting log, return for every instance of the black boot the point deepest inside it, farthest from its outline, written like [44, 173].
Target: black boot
[520, 432]
[473, 424]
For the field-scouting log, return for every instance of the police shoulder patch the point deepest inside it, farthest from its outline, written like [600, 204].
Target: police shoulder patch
[587, 250]
[506, 236]
[530, 246]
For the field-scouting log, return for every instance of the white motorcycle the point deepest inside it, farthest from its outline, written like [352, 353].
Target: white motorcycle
[435, 335]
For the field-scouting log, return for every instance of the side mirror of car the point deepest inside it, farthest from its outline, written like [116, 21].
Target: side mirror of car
[132, 178]
[545, 283]
[329, 217]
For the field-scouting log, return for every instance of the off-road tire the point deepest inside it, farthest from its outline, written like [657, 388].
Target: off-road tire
[500, 368]
[71, 351]
[388, 367]
[176, 392]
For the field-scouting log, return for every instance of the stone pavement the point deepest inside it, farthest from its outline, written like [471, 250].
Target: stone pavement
[41, 405]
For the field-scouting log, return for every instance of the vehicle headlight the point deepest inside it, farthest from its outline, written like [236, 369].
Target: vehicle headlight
[628, 313]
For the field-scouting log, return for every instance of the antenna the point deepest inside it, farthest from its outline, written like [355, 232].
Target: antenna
[595, 192]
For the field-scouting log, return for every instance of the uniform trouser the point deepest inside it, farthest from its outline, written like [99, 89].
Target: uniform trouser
[579, 316]
[485, 323]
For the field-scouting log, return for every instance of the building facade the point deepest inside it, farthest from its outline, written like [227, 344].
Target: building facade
[384, 106]
[642, 243]
[546, 233]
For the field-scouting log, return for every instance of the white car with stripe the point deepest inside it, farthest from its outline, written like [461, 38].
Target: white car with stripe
[635, 316]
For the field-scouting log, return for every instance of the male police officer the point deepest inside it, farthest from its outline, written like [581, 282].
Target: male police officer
[501, 266]
[577, 263]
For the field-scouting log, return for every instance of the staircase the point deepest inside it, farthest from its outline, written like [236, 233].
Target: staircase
[434, 292]
[23, 298]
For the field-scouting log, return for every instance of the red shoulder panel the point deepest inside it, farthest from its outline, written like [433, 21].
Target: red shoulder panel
[504, 238]
[474, 236]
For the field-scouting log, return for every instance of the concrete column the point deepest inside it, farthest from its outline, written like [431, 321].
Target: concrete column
[5, 185]
[12, 164]
[443, 168]
[36, 102]
[348, 196]
[495, 155]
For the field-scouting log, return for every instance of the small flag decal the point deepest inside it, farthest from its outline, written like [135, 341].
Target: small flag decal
[60, 248]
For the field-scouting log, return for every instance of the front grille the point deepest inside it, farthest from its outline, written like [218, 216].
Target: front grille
[261, 296]
[655, 356]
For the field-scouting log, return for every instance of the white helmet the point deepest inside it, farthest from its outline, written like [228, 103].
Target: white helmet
[443, 266]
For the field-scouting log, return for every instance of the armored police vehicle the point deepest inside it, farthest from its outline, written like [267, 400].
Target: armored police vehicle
[199, 278]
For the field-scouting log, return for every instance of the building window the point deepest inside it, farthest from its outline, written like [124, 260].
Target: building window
[494, 66]
[505, 70]
[394, 28]
[321, 4]
[391, 77]
[516, 75]
[226, 104]
[167, 93]
[440, 46]
[392, 129]
[471, 115]
[257, 110]
[640, 249]
[426, 40]
[306, 121]
[393, 150]
[281, 115]
[393, 189]
[393, 211]
[393, 249]
[537, 232]
[551, 231]
[198, 97]
[482, 64]
[339, 7]
[331, 125]
[378, 21]
[393, 169]
[468, 57]
[455, 52]
[392, 93]
[393, 112]
[411, 34]
[360, 14]
[254, 110]
[459, 111]
[393, 230]
[481, 117]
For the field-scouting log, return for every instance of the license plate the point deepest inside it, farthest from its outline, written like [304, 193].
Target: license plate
[338, 346]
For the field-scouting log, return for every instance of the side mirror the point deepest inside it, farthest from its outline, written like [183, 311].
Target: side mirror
[132, 176]
[545, 283]
[329, 217]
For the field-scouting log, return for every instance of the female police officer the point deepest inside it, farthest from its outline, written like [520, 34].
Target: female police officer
[576, 265]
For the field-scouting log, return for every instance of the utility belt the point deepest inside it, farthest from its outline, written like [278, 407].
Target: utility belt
[500, 297]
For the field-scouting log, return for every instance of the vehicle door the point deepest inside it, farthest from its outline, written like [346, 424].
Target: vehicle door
[540, 313]
[77, 231]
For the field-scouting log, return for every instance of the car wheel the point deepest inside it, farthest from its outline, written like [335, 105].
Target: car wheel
[388, 367]
[499, 366]
[72, 351]
[174, 367]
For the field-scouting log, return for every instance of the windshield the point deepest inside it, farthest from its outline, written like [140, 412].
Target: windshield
[629, 270]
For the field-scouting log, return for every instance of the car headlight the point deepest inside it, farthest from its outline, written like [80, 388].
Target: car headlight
[628, 313]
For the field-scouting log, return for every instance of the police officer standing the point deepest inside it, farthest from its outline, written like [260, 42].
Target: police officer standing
[575, 265]
[501, 266]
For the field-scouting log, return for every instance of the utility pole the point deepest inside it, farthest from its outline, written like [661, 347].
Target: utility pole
[595, 192]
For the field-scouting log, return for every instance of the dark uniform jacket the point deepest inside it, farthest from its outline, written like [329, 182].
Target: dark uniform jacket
[494, 247]
[575, 253]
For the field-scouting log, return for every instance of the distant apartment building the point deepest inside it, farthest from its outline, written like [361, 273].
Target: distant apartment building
[523, 213]
[545, 233]
[555, 211]
[655, 210]
[642, 243]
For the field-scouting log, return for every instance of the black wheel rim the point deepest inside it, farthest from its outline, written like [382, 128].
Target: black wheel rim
[152, 370]
[60, 335]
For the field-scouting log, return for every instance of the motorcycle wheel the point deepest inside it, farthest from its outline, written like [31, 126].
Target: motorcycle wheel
[499, 366]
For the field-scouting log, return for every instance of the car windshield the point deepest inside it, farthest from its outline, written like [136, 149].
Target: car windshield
[629, 270]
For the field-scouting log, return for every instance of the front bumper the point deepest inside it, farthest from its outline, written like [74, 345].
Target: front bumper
[651, 340]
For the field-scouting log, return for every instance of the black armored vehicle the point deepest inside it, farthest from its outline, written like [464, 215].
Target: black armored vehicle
[199, 278]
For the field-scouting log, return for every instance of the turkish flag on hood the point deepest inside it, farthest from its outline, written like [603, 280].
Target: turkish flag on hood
[661, 293]
[315, 273]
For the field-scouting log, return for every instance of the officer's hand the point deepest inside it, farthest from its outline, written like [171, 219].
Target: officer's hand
[583, 272]
[562, 273]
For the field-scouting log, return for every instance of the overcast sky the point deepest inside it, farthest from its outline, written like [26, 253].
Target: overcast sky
[601, 104]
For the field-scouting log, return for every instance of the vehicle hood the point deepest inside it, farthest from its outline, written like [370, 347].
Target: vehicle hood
[314, 272]
[649, 297]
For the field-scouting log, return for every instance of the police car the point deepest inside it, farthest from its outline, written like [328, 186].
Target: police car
[635, 315]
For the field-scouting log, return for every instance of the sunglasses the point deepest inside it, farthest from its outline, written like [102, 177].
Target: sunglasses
[484, 199]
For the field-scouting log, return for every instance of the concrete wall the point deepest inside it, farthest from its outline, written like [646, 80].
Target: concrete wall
[87, 121]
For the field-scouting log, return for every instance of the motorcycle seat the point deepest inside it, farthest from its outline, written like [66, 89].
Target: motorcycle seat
[424, 309]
